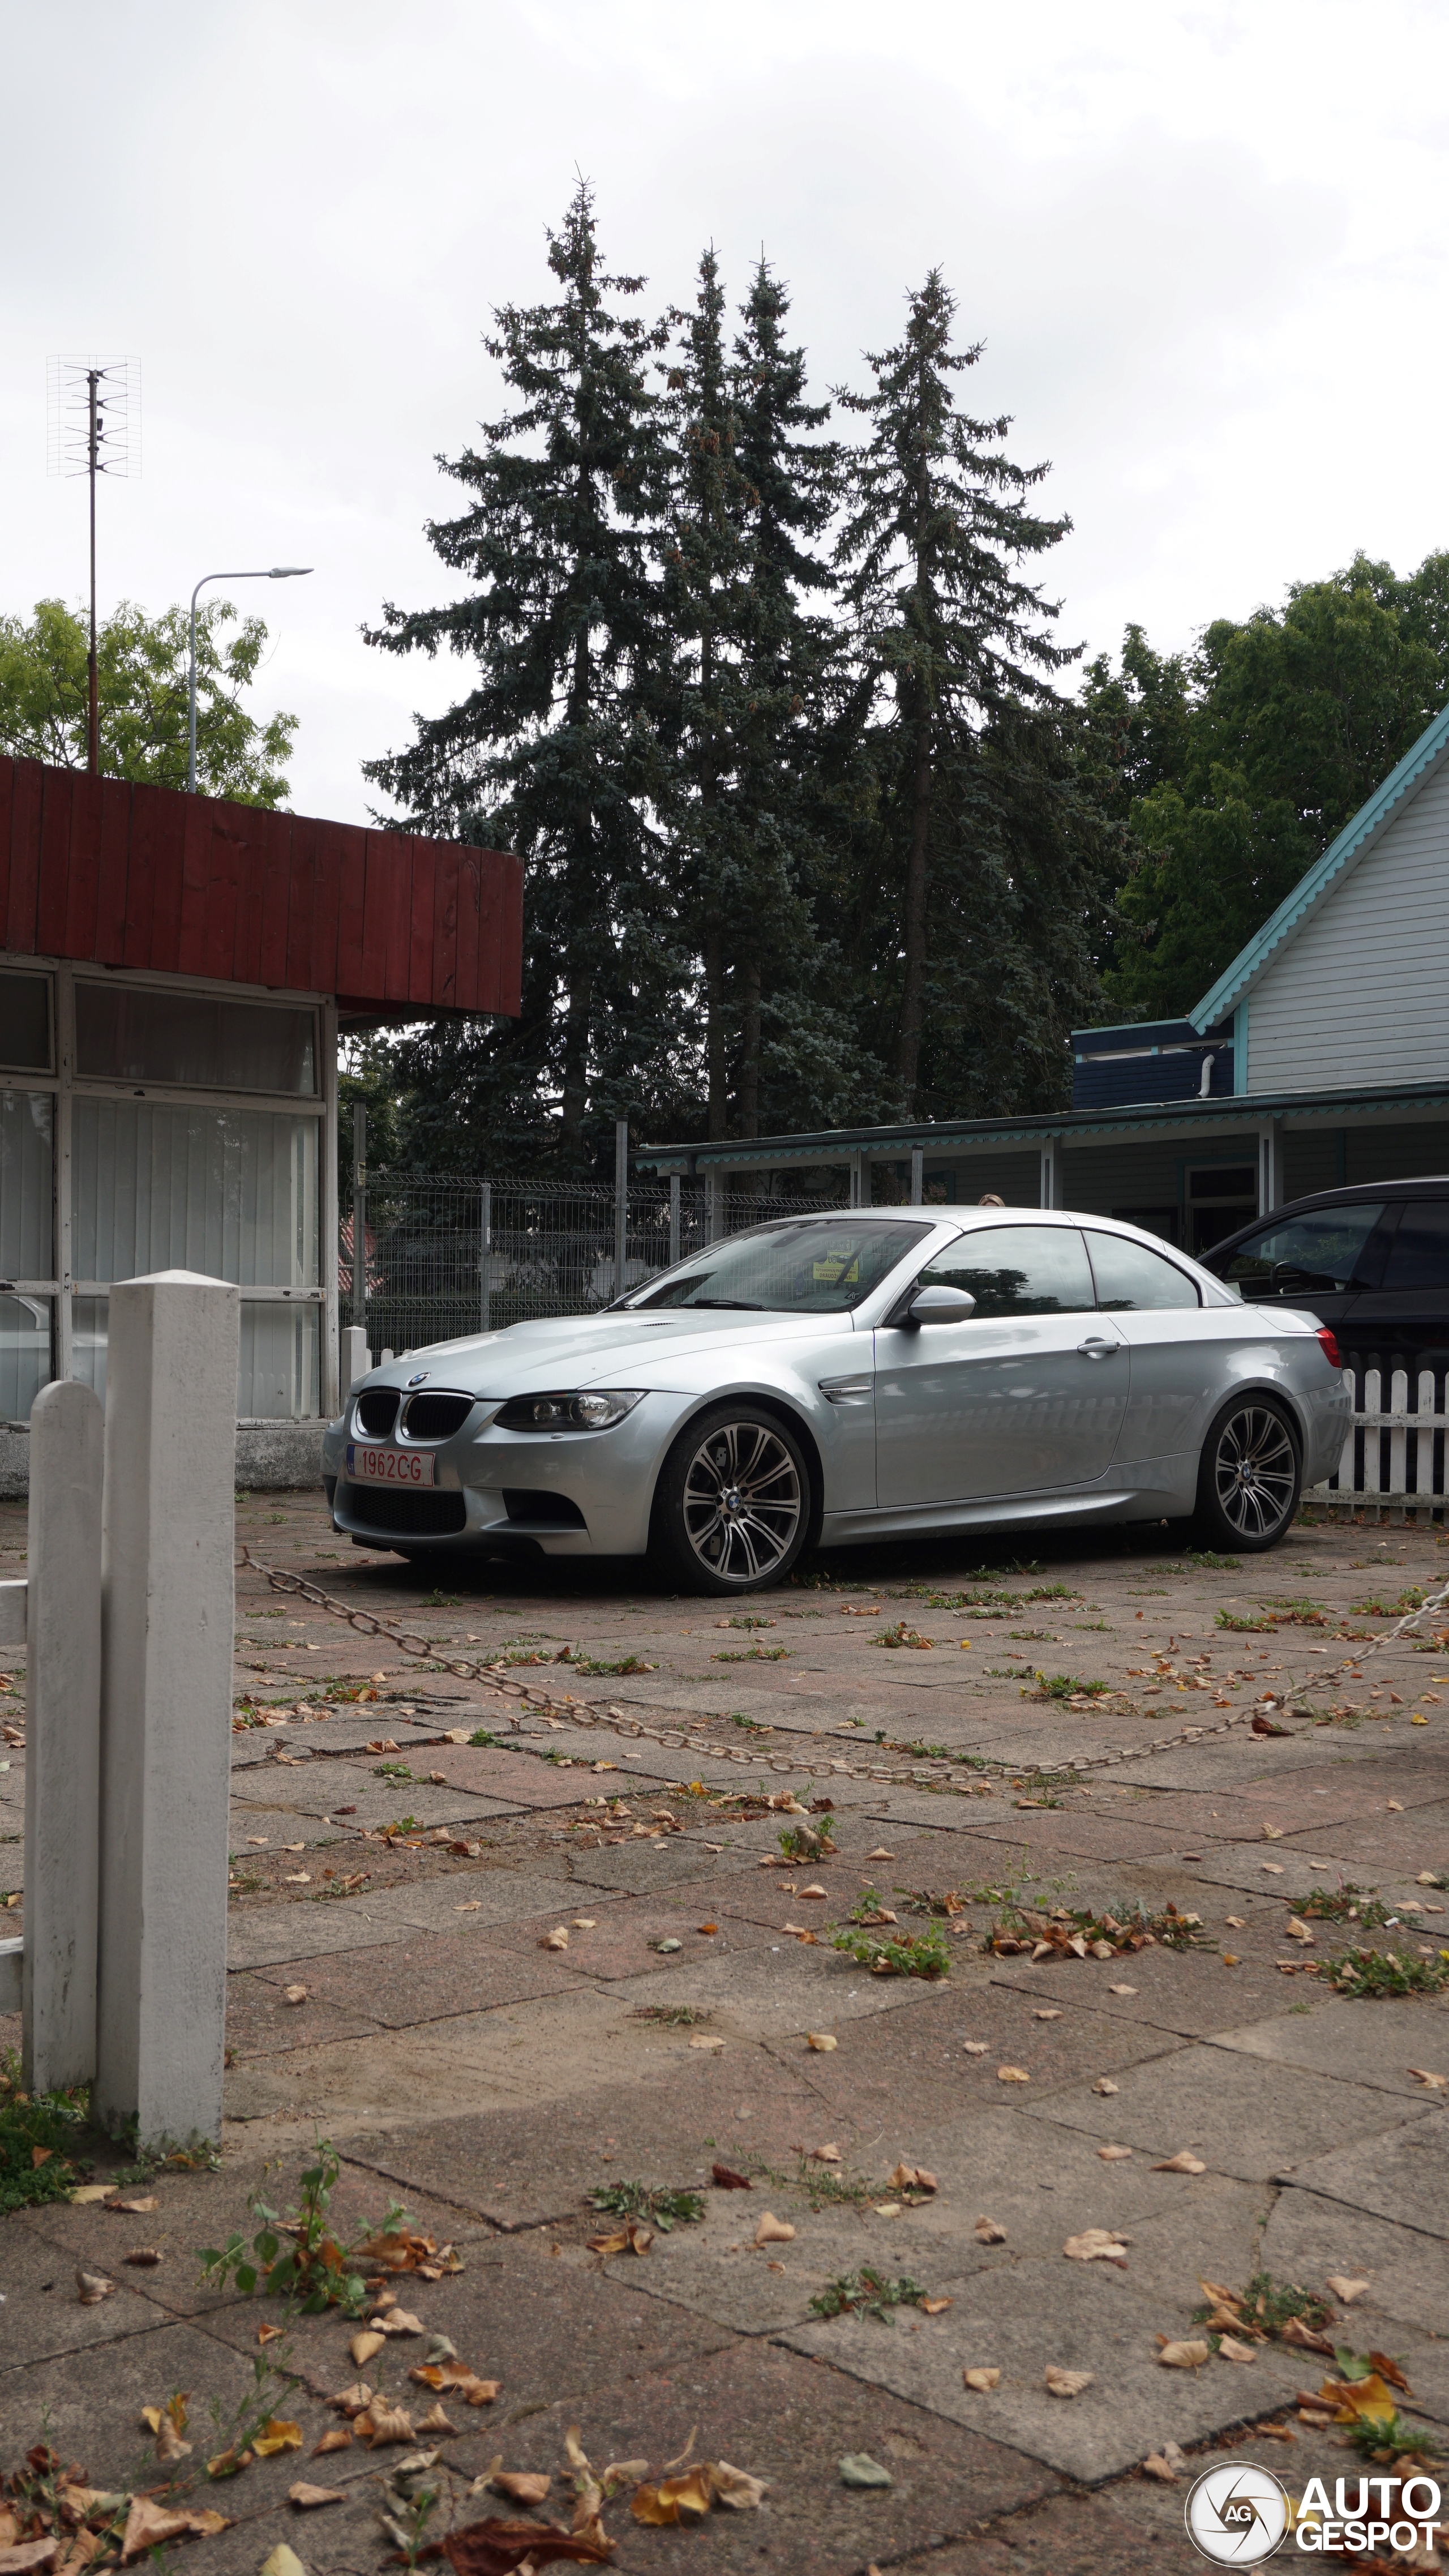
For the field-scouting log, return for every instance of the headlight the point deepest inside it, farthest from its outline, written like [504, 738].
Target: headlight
[598, 1409]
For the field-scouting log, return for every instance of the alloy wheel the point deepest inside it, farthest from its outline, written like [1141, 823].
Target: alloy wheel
[1255, 1471]
[743, 1501]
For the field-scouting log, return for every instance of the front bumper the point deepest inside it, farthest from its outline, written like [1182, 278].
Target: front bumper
[569, 1493]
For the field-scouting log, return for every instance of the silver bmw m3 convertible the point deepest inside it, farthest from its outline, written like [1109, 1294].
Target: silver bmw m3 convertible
[828, 1379]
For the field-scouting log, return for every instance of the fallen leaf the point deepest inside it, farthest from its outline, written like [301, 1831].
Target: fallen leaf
[265, 2334]
[294, 1994]
[1299, 1930]
[705, 2041]
[146, 2257]
[1113, 2155]
[30, 2557]
[1369, 2400]
[1294, 2331]
[880, 1853]
[557, 1939]
[829, 2154]
[436, 2420]
[1104, 2084]
[306, 2495]
[399, 2321]
[911, 2178]
[134, 2208]
[148, 2524]
[1155, 2466]
[1272, 1833]
[820, 2039]
[734, 2486]
[1096, 2245]
[983, 2381]
[1423, 2075]
[858, 2469]
[1183, 2162]
[92, 2287]
[990, 2232]
[1233, 2349]
[276, 2435]
[934, 2307]
[1066, 2383]
[812, 1890]
[1121, 1990]
[725, 2178]
[585, 1922]
[352, 2401]
[1274, 1869]
[363, 2346]
[338, 2439]
[706, 1927]
[1047, 2012]
[526, 2486]
[383, 2423]
[90, 2191]
[1012, 2075]
[282, 2561]
[888, 2209]
[1344, 2288]
[773, 2230]
[974, 2047]
[1183, 2356]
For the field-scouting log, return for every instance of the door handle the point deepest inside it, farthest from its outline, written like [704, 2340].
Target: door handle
[1097, 1349]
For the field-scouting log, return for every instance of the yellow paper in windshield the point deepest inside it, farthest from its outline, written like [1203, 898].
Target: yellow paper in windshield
[838, 1266]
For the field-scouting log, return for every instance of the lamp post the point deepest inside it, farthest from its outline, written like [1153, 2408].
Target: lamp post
[277, 572]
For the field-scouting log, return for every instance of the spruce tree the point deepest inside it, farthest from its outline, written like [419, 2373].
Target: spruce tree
[550, 752]
[948, 636]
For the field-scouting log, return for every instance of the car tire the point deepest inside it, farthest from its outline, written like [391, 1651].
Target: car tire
[733, 1505]
[1249, 1476]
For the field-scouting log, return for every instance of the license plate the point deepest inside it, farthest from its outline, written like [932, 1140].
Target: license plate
[367, 1466]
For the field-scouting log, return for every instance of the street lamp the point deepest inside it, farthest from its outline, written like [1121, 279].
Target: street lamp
[278, 572]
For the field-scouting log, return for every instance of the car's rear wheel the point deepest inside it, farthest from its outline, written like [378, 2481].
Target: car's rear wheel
[1250, 1475]
[732, 1506]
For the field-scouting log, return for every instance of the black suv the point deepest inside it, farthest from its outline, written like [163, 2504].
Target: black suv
[1373, 1264]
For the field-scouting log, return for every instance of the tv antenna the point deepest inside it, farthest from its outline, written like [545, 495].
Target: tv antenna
[93, 421]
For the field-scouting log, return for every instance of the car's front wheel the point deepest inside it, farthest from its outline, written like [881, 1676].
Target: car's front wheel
[732, 1507]
[1250, 1475]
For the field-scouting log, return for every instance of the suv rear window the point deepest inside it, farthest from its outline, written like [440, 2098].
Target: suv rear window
[1321, 1251]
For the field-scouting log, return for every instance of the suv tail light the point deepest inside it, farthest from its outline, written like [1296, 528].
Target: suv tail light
[1331, 1351]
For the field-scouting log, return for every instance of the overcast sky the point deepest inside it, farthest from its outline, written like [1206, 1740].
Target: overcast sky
[1205, 247]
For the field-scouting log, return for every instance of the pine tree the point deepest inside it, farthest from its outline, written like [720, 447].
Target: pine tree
[946, 631]
[551, 752]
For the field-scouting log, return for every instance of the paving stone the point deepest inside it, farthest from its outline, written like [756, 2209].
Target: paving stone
[1242, 2116]
[1396, 1846]
[790, 2422]
[1189, 1993]
[1403, 2174]
[914, 2068]
[627, 1930]
[43, 2314]
[776, 1990]
[274, 1934]
[1307, 2237]
[1072, 2535]
[259, 2021]
[638, 1868]
[1078, 1835]
[310, 1807]
[1372, 2043]
[1078, 2317]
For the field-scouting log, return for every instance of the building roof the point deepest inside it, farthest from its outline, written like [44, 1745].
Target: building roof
[108, 873]
[1239, 1113]
[1353, 843]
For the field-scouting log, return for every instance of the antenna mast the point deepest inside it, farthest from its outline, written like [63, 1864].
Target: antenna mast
[94, 422]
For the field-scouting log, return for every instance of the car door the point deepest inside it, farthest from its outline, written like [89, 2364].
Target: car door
[1319, 1262]
[1028, 1393]
[1402, 1321]
[1157, 1306]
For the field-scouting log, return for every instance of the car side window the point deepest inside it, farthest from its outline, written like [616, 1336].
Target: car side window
[1419, 1255]
[1322, 1250]
[1018, 1270]
[1132, 1280]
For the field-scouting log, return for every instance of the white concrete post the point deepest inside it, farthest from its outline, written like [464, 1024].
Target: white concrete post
[356, 1359]
[62, 1738]
[167, 1609]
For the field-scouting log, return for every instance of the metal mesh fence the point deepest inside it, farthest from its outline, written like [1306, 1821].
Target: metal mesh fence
[447, 1257]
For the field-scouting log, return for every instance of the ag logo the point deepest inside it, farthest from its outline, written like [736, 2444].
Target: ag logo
[1236, 2514]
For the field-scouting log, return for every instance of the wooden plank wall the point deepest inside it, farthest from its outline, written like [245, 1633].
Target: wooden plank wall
[110, 874]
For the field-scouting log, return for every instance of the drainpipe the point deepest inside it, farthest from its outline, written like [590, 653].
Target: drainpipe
[1204, 1089]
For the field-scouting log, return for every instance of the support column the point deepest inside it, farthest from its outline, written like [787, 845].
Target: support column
[918, 1174]
[621, 1203]
[1049, 1193]
[673, 1218]
[167, 1616]
[859, 1181]
[62, 1738]
[1270, 1166]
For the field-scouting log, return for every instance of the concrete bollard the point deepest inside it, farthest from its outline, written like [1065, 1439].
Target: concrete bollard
[62, 1738]
[167, 1611]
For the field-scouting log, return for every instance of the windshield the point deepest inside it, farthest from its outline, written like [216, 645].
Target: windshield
[812, 1268]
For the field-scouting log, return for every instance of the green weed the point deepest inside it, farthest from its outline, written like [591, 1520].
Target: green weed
[42, 2125]
[866, 2293]
[1361, 1974]
[662, 2209]
[895, 1954]
[298, 2258]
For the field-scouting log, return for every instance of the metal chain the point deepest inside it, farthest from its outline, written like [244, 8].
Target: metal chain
[562, 1711]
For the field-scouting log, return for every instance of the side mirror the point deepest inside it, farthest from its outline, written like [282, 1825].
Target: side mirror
[941, 1306]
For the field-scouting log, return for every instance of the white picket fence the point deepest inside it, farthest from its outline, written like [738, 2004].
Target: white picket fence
[1382, 1470]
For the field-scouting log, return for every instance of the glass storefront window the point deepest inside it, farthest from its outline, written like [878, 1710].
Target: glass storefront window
[230, 1192]
[25, 1044]
[278, 1379]
[195, 1039]
[24, 1354]
[27, 1129]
